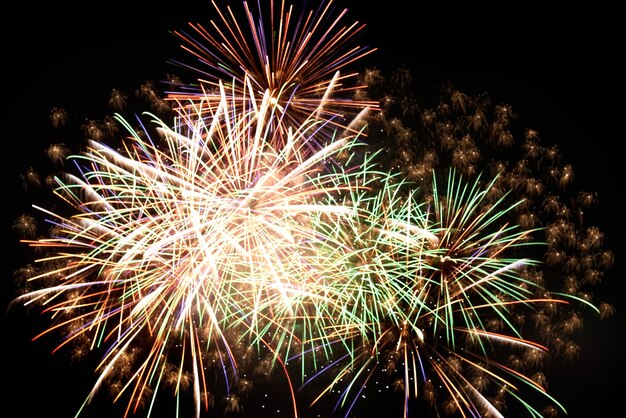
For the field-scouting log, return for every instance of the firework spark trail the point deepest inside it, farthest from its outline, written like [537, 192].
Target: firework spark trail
[299, 64]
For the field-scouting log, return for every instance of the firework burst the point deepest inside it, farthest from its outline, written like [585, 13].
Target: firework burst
[433, 298]
[181, 242]
[276, 226]
[294, 53]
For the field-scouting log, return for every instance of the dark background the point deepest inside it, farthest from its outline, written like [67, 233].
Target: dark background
[559, 68]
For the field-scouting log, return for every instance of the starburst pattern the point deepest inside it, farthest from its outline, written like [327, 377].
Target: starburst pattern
[276, 224]
[205, 235]
[293, 52]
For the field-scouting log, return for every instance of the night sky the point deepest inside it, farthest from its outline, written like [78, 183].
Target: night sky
[558, 69]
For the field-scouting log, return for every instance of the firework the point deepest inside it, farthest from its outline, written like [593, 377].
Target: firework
[275, 226]
[434, 298]
[294, 53]
[178, 245]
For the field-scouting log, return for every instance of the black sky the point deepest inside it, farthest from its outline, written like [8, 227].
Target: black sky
[558, 68]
